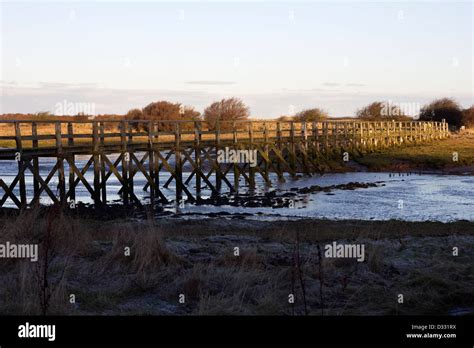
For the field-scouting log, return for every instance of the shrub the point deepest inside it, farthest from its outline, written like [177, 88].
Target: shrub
[468, 117]
[134, 115]
[311, 115]
[285, 118]
[381, 111]
[164, 111]
[232, 109]
[440, 109]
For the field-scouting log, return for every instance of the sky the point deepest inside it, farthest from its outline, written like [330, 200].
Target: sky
[279, 57]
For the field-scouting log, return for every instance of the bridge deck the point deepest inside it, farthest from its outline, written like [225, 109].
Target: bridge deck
[285, 147]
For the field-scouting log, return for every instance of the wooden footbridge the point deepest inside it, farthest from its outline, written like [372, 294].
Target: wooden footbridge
[185, 150]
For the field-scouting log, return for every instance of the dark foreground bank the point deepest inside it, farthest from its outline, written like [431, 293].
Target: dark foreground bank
[235, 267]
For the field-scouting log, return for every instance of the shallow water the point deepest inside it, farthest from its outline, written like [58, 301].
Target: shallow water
[400, 196]
[411, 198]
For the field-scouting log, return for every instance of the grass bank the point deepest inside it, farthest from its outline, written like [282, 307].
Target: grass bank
[436, 155]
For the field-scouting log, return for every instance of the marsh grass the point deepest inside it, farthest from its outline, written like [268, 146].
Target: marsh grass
[140, 250]
[432, 155]
[168, 259]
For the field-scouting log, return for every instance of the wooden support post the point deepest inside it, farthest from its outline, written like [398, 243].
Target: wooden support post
[371, 136]
[347, 138]
[376, 127]
[60, 161]
[131, 170]
[236, 165]
[71, 159]
[279, 148]
[266, 165]
[217, 148]
[34, 133]
[95, 155]
[304, 147]
[197, 157]
[353, 137]
[326, 136]
[21, 172]
[366, 136]
[304, 134]
[315, 136]
[400, 133]
[251, 147]
[156, 162]
[151, 159]
[377, 133]
[403, 131]
[103, 178]
[394, 133]
[125, 161]
[178, 164]
[292, 146]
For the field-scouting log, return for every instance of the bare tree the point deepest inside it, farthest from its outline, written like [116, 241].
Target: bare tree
[232, 109]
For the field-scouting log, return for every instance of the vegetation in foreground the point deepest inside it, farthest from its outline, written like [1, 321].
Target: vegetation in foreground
[169, 258]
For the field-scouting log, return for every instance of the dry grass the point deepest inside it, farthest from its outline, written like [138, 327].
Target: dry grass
[141, 250]
[167, 260]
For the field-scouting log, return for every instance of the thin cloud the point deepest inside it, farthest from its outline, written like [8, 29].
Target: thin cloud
[67, 85]
[8, 83]
[211, 82]
[309, 90]
[266, 104]
[336, 84]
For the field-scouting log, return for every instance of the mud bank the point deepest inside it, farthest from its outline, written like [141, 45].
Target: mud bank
[273, 199]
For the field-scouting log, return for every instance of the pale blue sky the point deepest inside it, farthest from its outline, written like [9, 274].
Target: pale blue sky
[334, 55]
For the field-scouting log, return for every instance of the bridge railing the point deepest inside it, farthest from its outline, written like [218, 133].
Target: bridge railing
[188, 151]
[21, 135]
